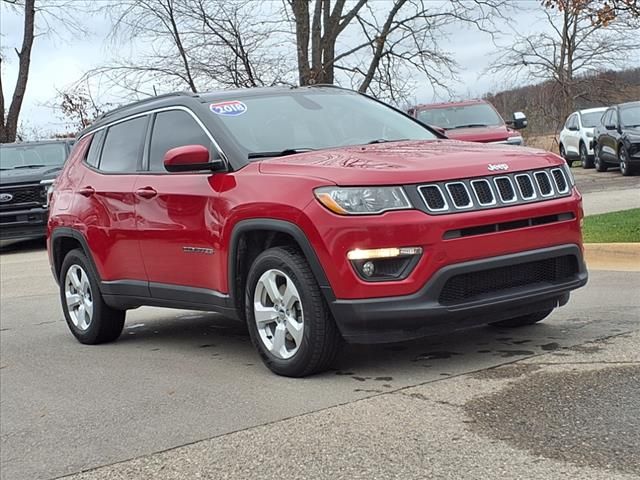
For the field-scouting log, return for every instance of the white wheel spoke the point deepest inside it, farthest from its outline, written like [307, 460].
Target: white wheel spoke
[73, 299]
[88, 307]
[73, 275]
[272, 288]
[290, 296]
[82, 318]
[84, 283]
[278, 340]
[295, 329]
[264, 315]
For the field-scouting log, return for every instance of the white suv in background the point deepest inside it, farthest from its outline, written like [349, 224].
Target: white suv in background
[576, 136]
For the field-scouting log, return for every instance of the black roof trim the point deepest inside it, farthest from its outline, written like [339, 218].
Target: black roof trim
[142, 102]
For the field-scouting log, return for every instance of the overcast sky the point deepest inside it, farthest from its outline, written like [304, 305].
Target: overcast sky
[59, 60]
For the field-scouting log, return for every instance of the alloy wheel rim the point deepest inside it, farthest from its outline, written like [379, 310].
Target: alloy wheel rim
[623, 161]
[278, 314]
[79, 297]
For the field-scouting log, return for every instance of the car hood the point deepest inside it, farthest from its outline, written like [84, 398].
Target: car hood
[497, 133]
[28, 175]
[408, 162]
[633, 131]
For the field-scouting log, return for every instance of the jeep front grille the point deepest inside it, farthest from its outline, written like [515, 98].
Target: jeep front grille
[494, 191]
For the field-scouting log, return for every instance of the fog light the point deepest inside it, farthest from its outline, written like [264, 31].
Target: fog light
[380, 264]
[368, 268]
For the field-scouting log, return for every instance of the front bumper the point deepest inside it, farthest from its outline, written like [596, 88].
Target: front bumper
[23, 224]
[391, 319]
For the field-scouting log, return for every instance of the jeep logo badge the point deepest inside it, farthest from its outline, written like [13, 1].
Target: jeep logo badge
[493, 167]
[5, 197]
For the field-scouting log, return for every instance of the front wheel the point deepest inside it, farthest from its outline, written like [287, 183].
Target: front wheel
[524, 320]
[623, 157]
[288, 319]
[597, 161]
[90, 319]
[584, 157]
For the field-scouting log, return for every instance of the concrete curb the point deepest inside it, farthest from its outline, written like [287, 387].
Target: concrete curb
[622, 257]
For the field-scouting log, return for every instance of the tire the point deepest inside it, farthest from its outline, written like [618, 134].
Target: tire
[623, 156]
[600, 165]
[283, 273]
[563, 154]
[585, 161]
[524, 320]
[92, 325]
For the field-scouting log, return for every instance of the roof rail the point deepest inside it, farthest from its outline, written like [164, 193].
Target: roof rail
[143, 101]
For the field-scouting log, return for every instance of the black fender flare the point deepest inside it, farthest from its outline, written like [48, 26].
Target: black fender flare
[60, 233]
[282, 226]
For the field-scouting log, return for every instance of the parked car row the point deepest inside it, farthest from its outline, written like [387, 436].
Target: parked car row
[603, 137]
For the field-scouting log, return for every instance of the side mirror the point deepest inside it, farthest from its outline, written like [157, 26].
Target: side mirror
[189, 158]
[519, 121]
[610, 126]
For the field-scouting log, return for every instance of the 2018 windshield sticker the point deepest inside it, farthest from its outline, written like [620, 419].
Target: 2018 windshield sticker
[231, 108]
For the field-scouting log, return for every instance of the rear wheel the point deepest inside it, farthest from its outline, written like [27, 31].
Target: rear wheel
[523, 320]
[90, 319]
[597, 161]
[623, 157]
[584, 157]
[288, 319]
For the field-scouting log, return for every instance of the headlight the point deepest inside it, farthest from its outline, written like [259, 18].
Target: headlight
[47, 185]
[362, 200]
[569, 175]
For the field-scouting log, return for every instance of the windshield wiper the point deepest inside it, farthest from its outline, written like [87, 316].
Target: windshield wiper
[281, 153]
[28, 166]
[384, 140]
[469, 125]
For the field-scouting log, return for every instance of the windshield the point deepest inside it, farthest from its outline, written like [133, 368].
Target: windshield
[26, 155]
[289, 123]
[477, 115]
[630, 116]
[591, 119]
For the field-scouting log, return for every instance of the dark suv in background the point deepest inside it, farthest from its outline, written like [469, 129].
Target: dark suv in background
[27, 172]
[617, 139]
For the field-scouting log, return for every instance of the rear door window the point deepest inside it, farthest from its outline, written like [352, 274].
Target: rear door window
[175, 128]
[123, 146]
[93, 155]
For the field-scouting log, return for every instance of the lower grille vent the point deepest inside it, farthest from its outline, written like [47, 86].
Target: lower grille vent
[472, 286]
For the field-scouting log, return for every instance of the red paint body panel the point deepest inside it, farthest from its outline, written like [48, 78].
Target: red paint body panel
[400, 163]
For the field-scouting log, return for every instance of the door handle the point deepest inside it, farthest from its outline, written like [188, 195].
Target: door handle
[146, 192]
[86, 191]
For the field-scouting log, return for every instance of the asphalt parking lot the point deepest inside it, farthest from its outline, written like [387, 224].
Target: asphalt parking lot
[184, 395]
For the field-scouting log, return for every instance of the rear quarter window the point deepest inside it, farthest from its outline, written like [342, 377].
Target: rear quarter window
[123, 146]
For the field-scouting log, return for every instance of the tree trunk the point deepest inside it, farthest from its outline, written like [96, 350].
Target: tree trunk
[9, 126]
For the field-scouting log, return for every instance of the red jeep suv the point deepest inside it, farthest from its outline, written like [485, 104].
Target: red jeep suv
[313, 214]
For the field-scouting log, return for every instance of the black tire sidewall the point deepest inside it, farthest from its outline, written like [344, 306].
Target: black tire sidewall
[314, 311]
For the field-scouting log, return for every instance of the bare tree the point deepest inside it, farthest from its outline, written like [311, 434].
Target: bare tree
[9, 120]
[192, 45]
[391, 42]
[572, 50]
